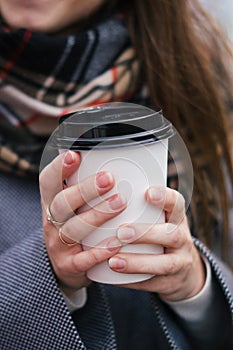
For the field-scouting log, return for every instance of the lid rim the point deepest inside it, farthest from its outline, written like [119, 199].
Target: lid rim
[159, 133]
[108, 121]
[115, 124]
[88, 144]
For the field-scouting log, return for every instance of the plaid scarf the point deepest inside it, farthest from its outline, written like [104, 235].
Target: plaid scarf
[43, 77]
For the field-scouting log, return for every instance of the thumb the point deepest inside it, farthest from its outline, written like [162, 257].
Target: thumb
[53, 175]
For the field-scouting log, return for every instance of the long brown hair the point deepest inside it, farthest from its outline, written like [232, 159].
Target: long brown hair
[185, 60]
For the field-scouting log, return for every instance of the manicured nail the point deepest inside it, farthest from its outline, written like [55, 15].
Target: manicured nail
[113, 244]
[69, 158]
[104, 179]
[117, 263]
[125, 233]
[116, 202]
[156, 194]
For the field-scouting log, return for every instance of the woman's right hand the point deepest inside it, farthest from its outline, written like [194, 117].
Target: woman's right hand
[70, 263]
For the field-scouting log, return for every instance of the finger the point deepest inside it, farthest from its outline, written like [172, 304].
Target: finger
[168, 235]
[171, 201]
[87, 259]
[79, 226]
[159, 265]
[53, 175]
[66, 202]
[71, 264]
[163, 285]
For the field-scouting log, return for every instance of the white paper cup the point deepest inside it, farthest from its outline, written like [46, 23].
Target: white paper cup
[136, 162]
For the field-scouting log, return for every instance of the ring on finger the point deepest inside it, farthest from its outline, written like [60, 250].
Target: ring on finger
[69, 244]
[51, 219]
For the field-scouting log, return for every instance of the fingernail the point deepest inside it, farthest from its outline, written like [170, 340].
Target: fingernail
[69, 158]
[117, 263]
[104, 179]
[113, 244]
[156, 194]
[116, 202]
[125, 233]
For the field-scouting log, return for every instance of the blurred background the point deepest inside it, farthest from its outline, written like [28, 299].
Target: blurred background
[222, 10]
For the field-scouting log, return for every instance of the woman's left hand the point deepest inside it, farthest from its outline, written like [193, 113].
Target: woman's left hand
[179, 273]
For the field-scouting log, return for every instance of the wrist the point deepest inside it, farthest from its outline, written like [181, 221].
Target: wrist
[197, 276]
[70, 290]
[75, 300]
[194, 308]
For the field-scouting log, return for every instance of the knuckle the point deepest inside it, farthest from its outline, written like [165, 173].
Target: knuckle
[176, 198]
[180, 202]
[78, 266]
[175, 238]
[170, 228]
[56, 208]
[188, 261]
[99, 216]
[95, 256]
[60, 266]
[87, 189]
[172, 196]
[95, 218]
[172, 267]
[176, 205]
[167, 285]
[149, 269]
[83, 191]
[189, 243]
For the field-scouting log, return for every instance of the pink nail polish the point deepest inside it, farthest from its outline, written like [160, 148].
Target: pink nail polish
[69, 158]
[125, 233]
[117, 263]
[116, 202]
[156, 194]
[104, 179]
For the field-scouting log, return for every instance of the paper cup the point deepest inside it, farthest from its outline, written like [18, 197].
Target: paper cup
[131, 142]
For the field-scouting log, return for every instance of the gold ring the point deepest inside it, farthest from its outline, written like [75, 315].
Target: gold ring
[64, 241]
[51, 219]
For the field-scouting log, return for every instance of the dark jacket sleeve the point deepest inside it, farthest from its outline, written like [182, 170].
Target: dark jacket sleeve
[217, 331]
[33, 312]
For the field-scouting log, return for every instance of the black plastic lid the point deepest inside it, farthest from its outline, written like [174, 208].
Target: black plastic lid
[112, 125]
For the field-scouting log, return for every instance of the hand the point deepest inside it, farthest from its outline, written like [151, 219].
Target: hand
[179, 272]
[70, 263]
